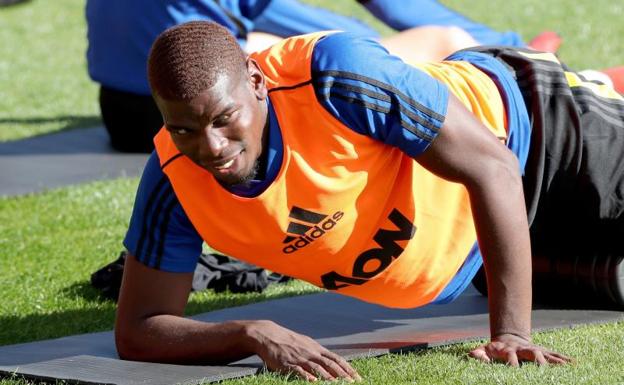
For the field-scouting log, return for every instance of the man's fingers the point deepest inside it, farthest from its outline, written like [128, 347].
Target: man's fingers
[507, 355]
[564, 359]
[512, 355]
[319, 370]
[556, 358]
[538, 358]
[543, 357]
[334, 368]
[480, 354]
[299, 371]
[344, 365]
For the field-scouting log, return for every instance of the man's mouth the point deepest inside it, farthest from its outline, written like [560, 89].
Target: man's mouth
[225, 165]
[222, 165]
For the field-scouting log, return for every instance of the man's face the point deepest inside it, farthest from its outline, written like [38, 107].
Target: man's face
[222, 129]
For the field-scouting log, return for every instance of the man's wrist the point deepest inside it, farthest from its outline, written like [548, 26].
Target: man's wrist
[524, 336]
[252, 336]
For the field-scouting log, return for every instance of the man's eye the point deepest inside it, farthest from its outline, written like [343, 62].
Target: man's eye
[222, 121]
[179, 131]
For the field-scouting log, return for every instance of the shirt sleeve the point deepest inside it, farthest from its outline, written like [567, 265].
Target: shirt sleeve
[291, 17]
[377, 94]
[160, 235]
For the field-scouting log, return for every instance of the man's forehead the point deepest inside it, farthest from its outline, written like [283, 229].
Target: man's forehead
[221, 95]
[210, 102]
[225, 84]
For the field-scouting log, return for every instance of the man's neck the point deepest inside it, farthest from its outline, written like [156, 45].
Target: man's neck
[264, 156]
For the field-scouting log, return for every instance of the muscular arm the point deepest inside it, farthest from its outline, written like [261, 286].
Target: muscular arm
[150, 327]
[354, 78]
[149, 324]
[466, 152]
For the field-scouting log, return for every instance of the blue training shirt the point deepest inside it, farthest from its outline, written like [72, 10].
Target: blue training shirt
[121, 33]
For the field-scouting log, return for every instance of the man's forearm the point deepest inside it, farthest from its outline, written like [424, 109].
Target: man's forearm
[502, 229]
[150, 327]
[173, 339]
[466, 152]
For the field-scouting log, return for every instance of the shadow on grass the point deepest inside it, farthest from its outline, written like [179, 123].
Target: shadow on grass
[35, 327]
[67, 122]
[199, 302]
[6, 3]
[98, 313]
[84, 290]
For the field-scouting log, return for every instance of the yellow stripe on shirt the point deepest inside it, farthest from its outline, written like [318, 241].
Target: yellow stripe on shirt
[605, 91]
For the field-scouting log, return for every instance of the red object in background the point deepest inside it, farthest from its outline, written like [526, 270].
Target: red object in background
[617, 77]
[547, 41]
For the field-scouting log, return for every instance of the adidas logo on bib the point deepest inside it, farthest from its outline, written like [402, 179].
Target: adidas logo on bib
[307, 226]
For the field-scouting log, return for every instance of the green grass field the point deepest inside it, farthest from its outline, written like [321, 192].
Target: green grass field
[43, 81]
[44, 84]
[51, 242]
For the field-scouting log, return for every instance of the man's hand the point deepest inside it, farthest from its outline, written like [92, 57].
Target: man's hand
[285, 351]
[512, 349]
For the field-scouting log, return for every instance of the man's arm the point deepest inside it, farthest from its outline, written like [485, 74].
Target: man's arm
[465, 151]
[380, 96]
[150, 327]
[155, 288]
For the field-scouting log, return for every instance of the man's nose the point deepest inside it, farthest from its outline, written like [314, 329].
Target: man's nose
[213, 143]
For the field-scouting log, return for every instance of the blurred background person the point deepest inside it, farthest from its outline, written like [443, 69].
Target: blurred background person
[121, 32]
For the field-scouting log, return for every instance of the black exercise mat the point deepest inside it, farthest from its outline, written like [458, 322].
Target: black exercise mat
[347, 326]
[62, 158]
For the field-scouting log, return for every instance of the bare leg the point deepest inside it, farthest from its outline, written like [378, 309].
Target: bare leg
[257, 41]
[431, 43]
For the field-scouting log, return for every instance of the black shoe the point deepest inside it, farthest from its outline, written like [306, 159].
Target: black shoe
[108, 278]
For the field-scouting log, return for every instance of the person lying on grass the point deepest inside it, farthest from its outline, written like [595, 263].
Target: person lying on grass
[327, 159]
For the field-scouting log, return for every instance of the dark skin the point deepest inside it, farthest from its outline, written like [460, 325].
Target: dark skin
[222, 130]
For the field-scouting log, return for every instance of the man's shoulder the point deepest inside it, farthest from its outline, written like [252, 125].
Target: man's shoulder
[153, 177]
[287, 63]
[347, 47]
[346, 52]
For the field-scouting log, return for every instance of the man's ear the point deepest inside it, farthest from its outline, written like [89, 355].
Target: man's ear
[256, 78]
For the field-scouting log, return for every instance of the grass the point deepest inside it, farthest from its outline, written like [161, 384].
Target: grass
[44, 86]
[51, 242]
[592, 29]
